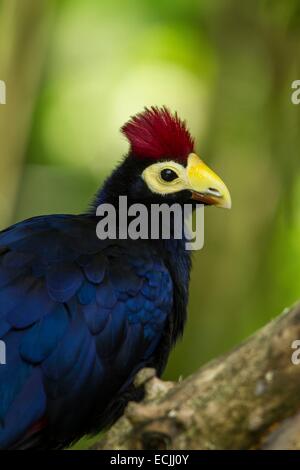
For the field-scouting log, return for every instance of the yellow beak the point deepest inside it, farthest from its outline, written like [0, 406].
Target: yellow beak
[205, 185]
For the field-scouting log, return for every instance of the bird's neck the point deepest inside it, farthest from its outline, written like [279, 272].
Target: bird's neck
[173, 251]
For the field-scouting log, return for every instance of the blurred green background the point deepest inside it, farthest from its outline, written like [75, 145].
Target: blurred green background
[76, 70]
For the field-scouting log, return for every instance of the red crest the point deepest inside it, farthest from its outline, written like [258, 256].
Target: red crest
[156, 133]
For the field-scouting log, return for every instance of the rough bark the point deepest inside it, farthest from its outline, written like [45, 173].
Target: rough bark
[246, 399]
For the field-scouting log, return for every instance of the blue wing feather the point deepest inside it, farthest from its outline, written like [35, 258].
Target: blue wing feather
[40, 340]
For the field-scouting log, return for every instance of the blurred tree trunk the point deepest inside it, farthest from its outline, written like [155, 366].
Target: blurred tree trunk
[24, 33]
[247, 399]
[253, 140]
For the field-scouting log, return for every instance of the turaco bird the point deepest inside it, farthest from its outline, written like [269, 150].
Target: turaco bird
[79, 316]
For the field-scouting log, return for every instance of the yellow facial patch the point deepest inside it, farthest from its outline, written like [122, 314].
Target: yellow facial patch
[154, 181]
[204, 184]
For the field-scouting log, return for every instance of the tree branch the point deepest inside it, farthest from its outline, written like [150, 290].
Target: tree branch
[246, 399]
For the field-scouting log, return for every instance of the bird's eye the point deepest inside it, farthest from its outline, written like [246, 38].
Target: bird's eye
[168, 175]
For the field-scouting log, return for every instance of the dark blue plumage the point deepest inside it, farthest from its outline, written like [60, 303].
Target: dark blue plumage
[79, 316]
